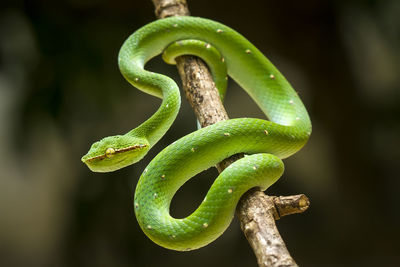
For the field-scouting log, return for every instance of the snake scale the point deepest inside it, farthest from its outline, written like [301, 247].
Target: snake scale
[265, 142]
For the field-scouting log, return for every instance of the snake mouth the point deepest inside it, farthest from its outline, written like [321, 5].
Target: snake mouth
[116, 151]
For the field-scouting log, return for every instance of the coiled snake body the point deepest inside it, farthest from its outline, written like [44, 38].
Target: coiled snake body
[264, 142]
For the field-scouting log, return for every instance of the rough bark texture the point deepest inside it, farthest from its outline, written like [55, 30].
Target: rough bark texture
[168, 8]
[200, 90]
[286, 205]
[256, 211]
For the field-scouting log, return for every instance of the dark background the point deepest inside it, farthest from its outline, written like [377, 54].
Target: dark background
[61, 90]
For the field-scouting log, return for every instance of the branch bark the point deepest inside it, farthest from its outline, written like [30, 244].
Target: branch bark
[256, 211]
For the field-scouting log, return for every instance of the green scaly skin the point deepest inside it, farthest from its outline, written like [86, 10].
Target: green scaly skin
[265, 142]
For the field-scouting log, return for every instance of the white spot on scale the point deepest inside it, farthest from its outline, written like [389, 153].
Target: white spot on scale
[220, 31]
[205, 225]
[230, 190]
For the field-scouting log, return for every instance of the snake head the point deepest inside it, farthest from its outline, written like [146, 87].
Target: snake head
[115, 152]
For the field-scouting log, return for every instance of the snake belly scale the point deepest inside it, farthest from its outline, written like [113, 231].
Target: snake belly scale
[265, 142]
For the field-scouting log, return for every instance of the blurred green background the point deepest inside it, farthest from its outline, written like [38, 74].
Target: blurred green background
[61, 90]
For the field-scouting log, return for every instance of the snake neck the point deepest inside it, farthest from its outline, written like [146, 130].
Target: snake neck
[158, 124]
[133, 56]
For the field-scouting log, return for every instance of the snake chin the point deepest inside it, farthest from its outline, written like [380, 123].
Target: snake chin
[115, 152]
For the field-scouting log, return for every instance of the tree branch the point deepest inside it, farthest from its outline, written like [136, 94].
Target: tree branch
[256, 211]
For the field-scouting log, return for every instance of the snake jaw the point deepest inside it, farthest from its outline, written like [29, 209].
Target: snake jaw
[111, 152]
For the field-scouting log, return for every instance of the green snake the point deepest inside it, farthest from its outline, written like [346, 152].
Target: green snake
[264, 142]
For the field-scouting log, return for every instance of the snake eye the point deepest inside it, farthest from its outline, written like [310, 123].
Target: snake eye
[110, 152]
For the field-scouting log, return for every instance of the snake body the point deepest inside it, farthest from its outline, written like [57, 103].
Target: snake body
[264, 142]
